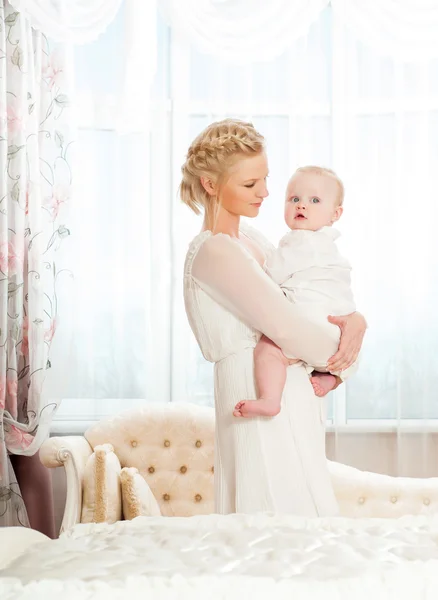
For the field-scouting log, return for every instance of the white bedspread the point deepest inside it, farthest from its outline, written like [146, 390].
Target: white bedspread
[235, 556]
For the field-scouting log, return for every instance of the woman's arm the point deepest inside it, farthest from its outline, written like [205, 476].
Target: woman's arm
[228, 273]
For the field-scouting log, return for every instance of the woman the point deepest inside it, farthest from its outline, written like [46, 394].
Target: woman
[275, 465]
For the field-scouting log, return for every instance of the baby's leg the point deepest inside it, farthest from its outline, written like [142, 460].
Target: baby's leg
[270, 366]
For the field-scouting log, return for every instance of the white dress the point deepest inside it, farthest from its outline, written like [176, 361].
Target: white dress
[261, 464]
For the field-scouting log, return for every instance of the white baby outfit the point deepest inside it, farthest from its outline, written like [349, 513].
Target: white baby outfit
[311, 271]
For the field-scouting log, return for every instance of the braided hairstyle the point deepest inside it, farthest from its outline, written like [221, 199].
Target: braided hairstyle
[211, 155]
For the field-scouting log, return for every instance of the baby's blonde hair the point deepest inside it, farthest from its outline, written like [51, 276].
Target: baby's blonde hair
[211, 155]
[327, 172]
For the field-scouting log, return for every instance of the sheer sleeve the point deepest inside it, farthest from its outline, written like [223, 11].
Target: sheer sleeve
[231, 276]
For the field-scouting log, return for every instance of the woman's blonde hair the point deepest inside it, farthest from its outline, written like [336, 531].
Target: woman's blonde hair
[328, 172]
[211, 155]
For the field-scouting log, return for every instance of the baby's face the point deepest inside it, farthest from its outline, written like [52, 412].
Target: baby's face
[312, 201]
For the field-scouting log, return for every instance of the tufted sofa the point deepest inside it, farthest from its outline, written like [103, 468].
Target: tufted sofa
[172, 446]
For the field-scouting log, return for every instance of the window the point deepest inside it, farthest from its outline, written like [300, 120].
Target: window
[327, 100]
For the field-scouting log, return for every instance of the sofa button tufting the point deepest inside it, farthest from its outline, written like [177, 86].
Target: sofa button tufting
[166, 497]
[183, 469]
[198, 498]
[426, 501]
[198, 444]
[151, 470]
[134, 444]
[166, 443]
[394, 499]
[361, 500]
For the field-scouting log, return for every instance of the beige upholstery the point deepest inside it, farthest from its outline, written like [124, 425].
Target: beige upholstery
[172, 447]
[363, 494]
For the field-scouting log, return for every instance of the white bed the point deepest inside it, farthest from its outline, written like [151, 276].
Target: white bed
[373, 551]
[235, 556]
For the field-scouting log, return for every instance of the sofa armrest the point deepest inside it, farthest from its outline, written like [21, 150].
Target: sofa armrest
[373, 495]
[15, 541]
[71, 452]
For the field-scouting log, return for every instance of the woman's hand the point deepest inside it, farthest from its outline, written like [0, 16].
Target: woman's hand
[353, 329]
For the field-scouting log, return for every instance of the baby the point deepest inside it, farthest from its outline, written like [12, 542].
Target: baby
[310, 270]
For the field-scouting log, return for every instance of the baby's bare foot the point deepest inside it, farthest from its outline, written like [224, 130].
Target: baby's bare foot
[323, 383]
[257, 408]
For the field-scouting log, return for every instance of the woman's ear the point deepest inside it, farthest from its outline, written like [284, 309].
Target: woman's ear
[209, 186]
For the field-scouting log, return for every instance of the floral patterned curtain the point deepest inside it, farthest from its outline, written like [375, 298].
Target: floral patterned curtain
[35, 188]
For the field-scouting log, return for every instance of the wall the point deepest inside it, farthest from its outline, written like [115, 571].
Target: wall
[405, 455]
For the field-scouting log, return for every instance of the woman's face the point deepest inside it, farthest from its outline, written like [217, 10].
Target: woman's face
[245, 188]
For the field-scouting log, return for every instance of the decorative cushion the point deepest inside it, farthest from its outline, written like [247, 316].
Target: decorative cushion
[102, 502]
[137, 498]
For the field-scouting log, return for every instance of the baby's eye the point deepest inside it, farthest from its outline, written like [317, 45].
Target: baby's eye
[315, 200]
[295, 199]
[250, 185]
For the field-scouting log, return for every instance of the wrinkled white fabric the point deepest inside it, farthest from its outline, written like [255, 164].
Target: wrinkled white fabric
[309, 268]
[232, 557]
[251, 31]
[74, 21]
[242, 31]
[405, 29]
[275, 465]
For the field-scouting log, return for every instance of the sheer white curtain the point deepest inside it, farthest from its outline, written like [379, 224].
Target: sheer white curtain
[121, 220]
[247, 31]
[328, 98]
[387, 150]
[402, 28]
[331, 99]
[242, 31]
[76, 21]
